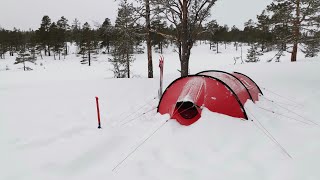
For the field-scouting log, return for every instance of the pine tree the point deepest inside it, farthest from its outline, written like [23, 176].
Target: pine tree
[297, 17]
[122, 55]
[43, 34]
[253, 53]
[264, 35]
[211, 29]
[158, 40]
[88, 44]
[56, 44]
[106, 34]
[15, 39]
[3, 43]
[250, 32]
[63, 28]
[76, 31]
[187, 17]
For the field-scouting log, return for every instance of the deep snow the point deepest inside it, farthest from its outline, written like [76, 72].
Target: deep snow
[48, 126]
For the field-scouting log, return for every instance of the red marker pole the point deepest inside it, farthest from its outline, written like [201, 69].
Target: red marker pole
[98, 111]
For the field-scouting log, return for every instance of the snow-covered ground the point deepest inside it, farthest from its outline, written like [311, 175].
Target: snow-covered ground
[48, 123]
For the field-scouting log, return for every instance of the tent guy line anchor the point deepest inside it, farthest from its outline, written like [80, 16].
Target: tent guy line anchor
[288, 99]
[139, 116]
[288, 117]
[294, 113]
[283, 103]
[268, 134]
[134, 112]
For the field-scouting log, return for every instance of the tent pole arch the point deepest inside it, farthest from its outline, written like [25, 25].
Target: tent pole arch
[230, 75]
[251, 80]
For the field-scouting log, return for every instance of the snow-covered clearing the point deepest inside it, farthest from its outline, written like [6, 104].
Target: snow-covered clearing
[48, 126]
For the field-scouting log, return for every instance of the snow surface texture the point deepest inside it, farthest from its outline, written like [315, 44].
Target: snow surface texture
[48, 126]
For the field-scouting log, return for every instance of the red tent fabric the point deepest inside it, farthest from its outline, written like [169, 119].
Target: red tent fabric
[252, 87]
[218, 91]
[233, 82]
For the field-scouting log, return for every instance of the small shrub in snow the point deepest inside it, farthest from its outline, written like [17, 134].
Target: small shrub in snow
[23, 57]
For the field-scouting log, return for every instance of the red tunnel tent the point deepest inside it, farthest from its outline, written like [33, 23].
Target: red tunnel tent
[218, 91]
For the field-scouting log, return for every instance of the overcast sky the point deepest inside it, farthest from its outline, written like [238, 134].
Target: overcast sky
[25, 14]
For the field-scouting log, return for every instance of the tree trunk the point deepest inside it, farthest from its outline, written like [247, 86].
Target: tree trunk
[296, 33]
[89, 57]
[66, 49]
[49, 54]
[241, 54]
[149, 46]
[217, 47]
[128, 66]
[184, 40]
[24, 65]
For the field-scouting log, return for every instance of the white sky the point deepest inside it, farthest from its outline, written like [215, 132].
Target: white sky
[25, 14]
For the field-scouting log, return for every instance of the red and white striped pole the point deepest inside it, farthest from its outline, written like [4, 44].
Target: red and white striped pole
[161, 63]
[98, 112]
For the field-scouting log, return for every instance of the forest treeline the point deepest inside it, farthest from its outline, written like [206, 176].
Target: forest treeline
[285, 25]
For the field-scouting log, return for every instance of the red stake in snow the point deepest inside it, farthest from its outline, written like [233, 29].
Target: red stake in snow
[161, 63]
[98, 111]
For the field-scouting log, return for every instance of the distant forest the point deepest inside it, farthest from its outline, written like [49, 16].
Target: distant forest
[285, 25]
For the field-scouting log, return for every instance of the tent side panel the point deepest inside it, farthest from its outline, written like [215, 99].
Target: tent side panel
[221, 99]
[250, 84]
[235, 84]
